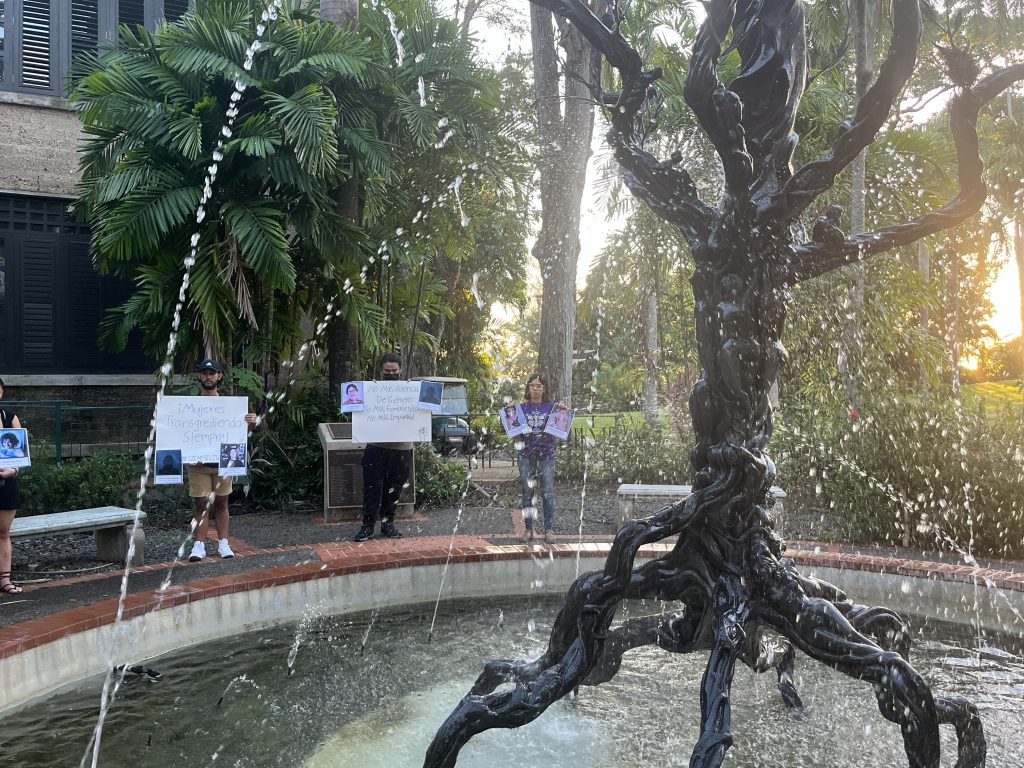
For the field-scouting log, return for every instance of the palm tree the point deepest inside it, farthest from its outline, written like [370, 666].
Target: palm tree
[153, 107]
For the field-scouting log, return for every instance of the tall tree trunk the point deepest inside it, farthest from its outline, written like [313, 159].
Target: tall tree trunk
[565, 118]
[1018, 251]
[924, 266]
[865, 23]
[343, 336]
[953, 301]
[651, 346]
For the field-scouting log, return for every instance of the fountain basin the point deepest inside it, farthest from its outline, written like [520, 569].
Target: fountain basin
[41, 656]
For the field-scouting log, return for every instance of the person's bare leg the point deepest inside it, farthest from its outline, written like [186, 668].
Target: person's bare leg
[6, 519]
[221, 516]
[201, 524]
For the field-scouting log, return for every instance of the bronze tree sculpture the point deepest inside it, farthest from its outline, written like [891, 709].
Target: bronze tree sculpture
[728, 568]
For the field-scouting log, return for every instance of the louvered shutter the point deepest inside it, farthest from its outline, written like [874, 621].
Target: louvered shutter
[37, 50]
[36, 256]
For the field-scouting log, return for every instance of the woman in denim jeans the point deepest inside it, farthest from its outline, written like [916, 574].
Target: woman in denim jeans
[537, 457]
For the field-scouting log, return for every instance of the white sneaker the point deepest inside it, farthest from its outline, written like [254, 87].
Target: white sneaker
[198, 552]
[223, 549]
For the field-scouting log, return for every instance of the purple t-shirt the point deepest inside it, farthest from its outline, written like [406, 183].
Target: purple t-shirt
[538, 445]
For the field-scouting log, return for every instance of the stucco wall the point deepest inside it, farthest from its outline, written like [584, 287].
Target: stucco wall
[38, 137]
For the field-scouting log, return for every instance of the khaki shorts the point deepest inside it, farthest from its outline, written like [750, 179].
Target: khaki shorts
[203, 480]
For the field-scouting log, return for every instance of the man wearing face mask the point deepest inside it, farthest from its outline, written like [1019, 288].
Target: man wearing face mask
[386, 469]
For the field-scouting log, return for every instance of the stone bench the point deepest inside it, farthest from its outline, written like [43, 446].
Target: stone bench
[112, 527]
[628, 493]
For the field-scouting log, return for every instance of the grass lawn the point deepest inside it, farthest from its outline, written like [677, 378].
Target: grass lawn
[997, 395]
[606, 420]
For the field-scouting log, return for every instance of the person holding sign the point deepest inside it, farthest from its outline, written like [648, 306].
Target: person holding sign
[204, 482]
[386, 469]
[537, 457]
[8, 506]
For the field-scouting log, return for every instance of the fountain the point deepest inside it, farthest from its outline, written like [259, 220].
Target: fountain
[356, 697]
[727, 578]
[743, 599]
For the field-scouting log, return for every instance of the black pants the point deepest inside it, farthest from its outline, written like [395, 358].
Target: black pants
[385, 472]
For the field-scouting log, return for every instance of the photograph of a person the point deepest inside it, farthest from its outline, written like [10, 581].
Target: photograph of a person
[168, 468]
[232, 459]
[352, 398]
[559, 422]
[430, 395]
[513, 420]
[14, 451]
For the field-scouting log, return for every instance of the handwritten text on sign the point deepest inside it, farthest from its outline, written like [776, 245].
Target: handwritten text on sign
[390, 414]
[198, 425]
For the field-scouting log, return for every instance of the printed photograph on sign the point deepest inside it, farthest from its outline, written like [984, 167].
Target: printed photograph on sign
[168, 468]
[14, 452]
[513, 420]
[431, 393]
[559, 422]
[352, 398]
[232, 459]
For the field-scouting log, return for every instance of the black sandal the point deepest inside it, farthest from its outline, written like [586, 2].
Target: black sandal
[10, 588]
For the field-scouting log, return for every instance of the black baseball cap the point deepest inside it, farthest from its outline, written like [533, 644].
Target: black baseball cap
[209, 364]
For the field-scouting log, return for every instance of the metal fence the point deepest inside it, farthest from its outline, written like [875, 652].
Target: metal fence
[75, 431]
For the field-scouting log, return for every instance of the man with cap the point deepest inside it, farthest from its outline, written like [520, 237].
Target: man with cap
[203, 480]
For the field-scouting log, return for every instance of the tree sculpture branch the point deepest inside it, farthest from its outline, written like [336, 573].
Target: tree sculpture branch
[812, 259]
[668, 189]
[872, 111]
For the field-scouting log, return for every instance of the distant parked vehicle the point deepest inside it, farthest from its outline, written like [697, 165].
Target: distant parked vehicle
[450, 434]
[450, 431]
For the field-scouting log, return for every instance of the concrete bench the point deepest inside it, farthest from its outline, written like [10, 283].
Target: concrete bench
[111, 526]
[628, 493]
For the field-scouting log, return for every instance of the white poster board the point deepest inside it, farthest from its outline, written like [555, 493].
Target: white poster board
[390, 414]
[197, 426]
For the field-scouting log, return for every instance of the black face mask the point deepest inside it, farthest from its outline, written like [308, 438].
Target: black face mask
[391, 376]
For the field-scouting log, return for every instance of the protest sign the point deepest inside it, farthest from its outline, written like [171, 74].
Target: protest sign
[390, 414]
[197, 426]
[14, 452]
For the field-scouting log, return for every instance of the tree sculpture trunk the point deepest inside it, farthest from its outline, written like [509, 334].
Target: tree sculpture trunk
[727, 566]
[565, 120]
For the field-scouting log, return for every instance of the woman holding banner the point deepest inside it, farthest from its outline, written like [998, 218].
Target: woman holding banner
[537, 457]
[8, 506]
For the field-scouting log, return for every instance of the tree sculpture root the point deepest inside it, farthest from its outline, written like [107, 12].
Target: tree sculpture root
[728, 615]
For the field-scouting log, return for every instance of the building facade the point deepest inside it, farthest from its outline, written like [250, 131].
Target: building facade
[51, 298]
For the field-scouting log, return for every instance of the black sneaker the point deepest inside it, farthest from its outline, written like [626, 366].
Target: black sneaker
[388, 531]
[364, 533]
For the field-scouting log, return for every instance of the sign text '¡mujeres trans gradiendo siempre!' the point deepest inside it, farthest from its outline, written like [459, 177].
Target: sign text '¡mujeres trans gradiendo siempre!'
[199, 425]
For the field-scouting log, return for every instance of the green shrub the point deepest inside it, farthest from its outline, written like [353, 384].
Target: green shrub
[438, 482]
[95, 481]
[288, 460]
[627, 453]
[955, 477]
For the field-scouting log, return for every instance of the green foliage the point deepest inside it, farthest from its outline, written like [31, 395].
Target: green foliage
[94, 481]
[288, 460]
[439, 482]
[627, 453]
[955, 476]
[153, 106]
